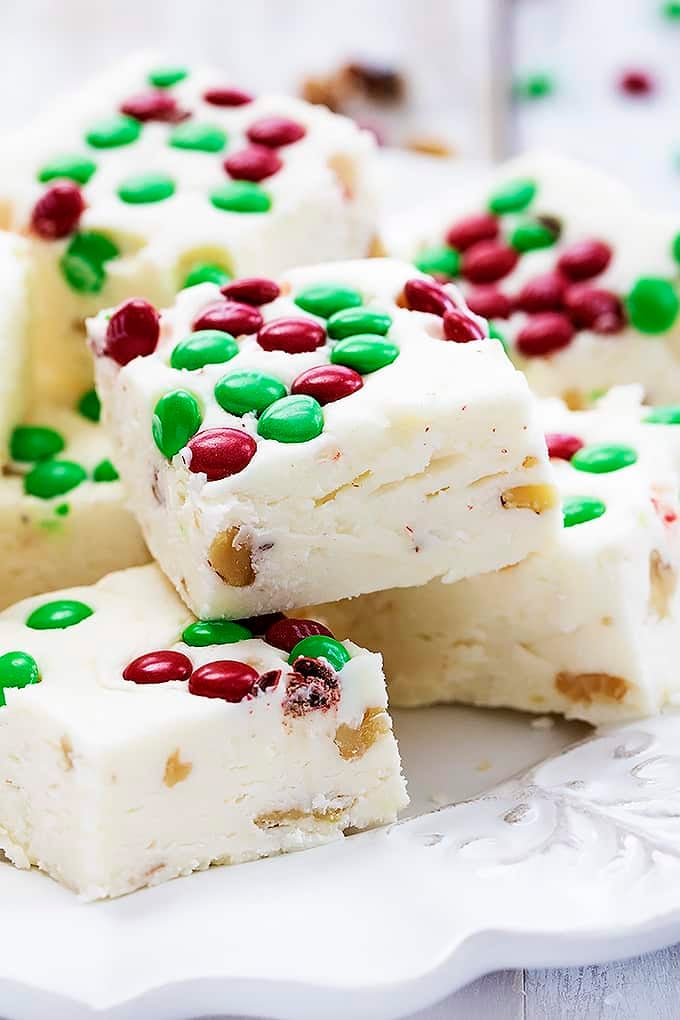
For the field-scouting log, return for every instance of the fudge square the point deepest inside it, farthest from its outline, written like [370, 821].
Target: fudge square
[13, 335]
[577, 277]
[320, 437]
[63, 514]
[587, 626]
[155, 177]
[139, 744]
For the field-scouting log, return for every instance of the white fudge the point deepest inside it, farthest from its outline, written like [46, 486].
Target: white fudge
[13, 333]
[136, 747]
[588, 626]
[174, 190]
[425, 459]
[63, 518]
[579, 279]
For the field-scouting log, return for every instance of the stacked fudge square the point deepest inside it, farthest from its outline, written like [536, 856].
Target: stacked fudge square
[284, 438]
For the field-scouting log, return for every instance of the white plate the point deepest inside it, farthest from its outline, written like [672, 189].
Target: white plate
[576, 861]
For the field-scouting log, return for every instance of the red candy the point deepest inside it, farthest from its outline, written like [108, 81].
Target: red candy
[251, 290]
[232, 317]
[460, 328]
[286, 633]
[294, 336]
[562, 446]
[227, 97]
[542, 294]
[489, 302]
[57, 212]
[220, 453]
[255, 163]
[465, 233]
[225, 679]
[258, 624]
[158, 668]
[132, 331]
[636, 82]
[426, 296]
[152, 106]
[584, 259]
[275, 131]
[327, 383]
[488, 261]
[544, 333]
[596, 309]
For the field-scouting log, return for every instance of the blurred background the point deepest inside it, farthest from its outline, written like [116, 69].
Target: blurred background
[460, 82]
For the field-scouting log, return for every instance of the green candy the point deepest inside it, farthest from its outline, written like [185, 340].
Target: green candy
[668, 415]
[351, 321]
[531, 236]
[244, 392]
[63, 510]
[90, 406]
[295, 419]
[602, 459]
[54, 478]
[534, 86]
[34, 442]
[146, 188]
[198, 137]
[675, 248]
[241, 197]
[58, 615]
[83, 262]
[652, 305]
[105, 472]
[440, 261]
[165, 77]
[73, 168]
[325, 299]
[580, 509]
[114, 132]
[319, 646]
[214, 632]
[496, 334]
[205, 272]
[671, 10]
[513, 197]
[204, 347]
[364, 353]
[17, 669]
[176, 418]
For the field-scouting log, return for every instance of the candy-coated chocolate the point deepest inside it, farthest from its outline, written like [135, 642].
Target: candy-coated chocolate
[584, 259]
[602, 458]
[426, 296]
[227, 97]
[105, 472]
[220, 453]
[542, 293]
[35, 442]
[57, 213]
[254, 163]
[176, 418]
[205, 272]
[132, 331]
[203, 633]
[350, 321]
[364, 353]
[114, 132]
[295, 419]
[204, 347]
[58, 615]
[513, 197]
[294, 336]
[489, 302]
[463, 234]
[158, 668]
[652, 305]
[562, 445]
[198, 137]
[225, 679]
[53, 478]
[544, 333]
[327, 383]
[144, 189]
[234, 317]
[252, 290]
[286, 633]
[461, 328]
[441, 260]
[320, 646]
[241, 197]
[488, 261]
[275, 131]
[248, 392]
[581, 509]
[326, 299]
[17, 669]
[73, 168]
[151, 105]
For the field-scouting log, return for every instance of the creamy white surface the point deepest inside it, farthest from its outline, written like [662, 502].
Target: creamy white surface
[323, 204]
[92, 792]
[589, 204]
[404, 483]
[591, 602]
[41, 549]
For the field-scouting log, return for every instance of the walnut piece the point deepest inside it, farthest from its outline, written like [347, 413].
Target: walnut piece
[176, 770]
[530, 497]
[67, 751]
[585, 688]
[273, 819]
[345, 170]
[232, 562]
[354, 742]
[663, 581]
